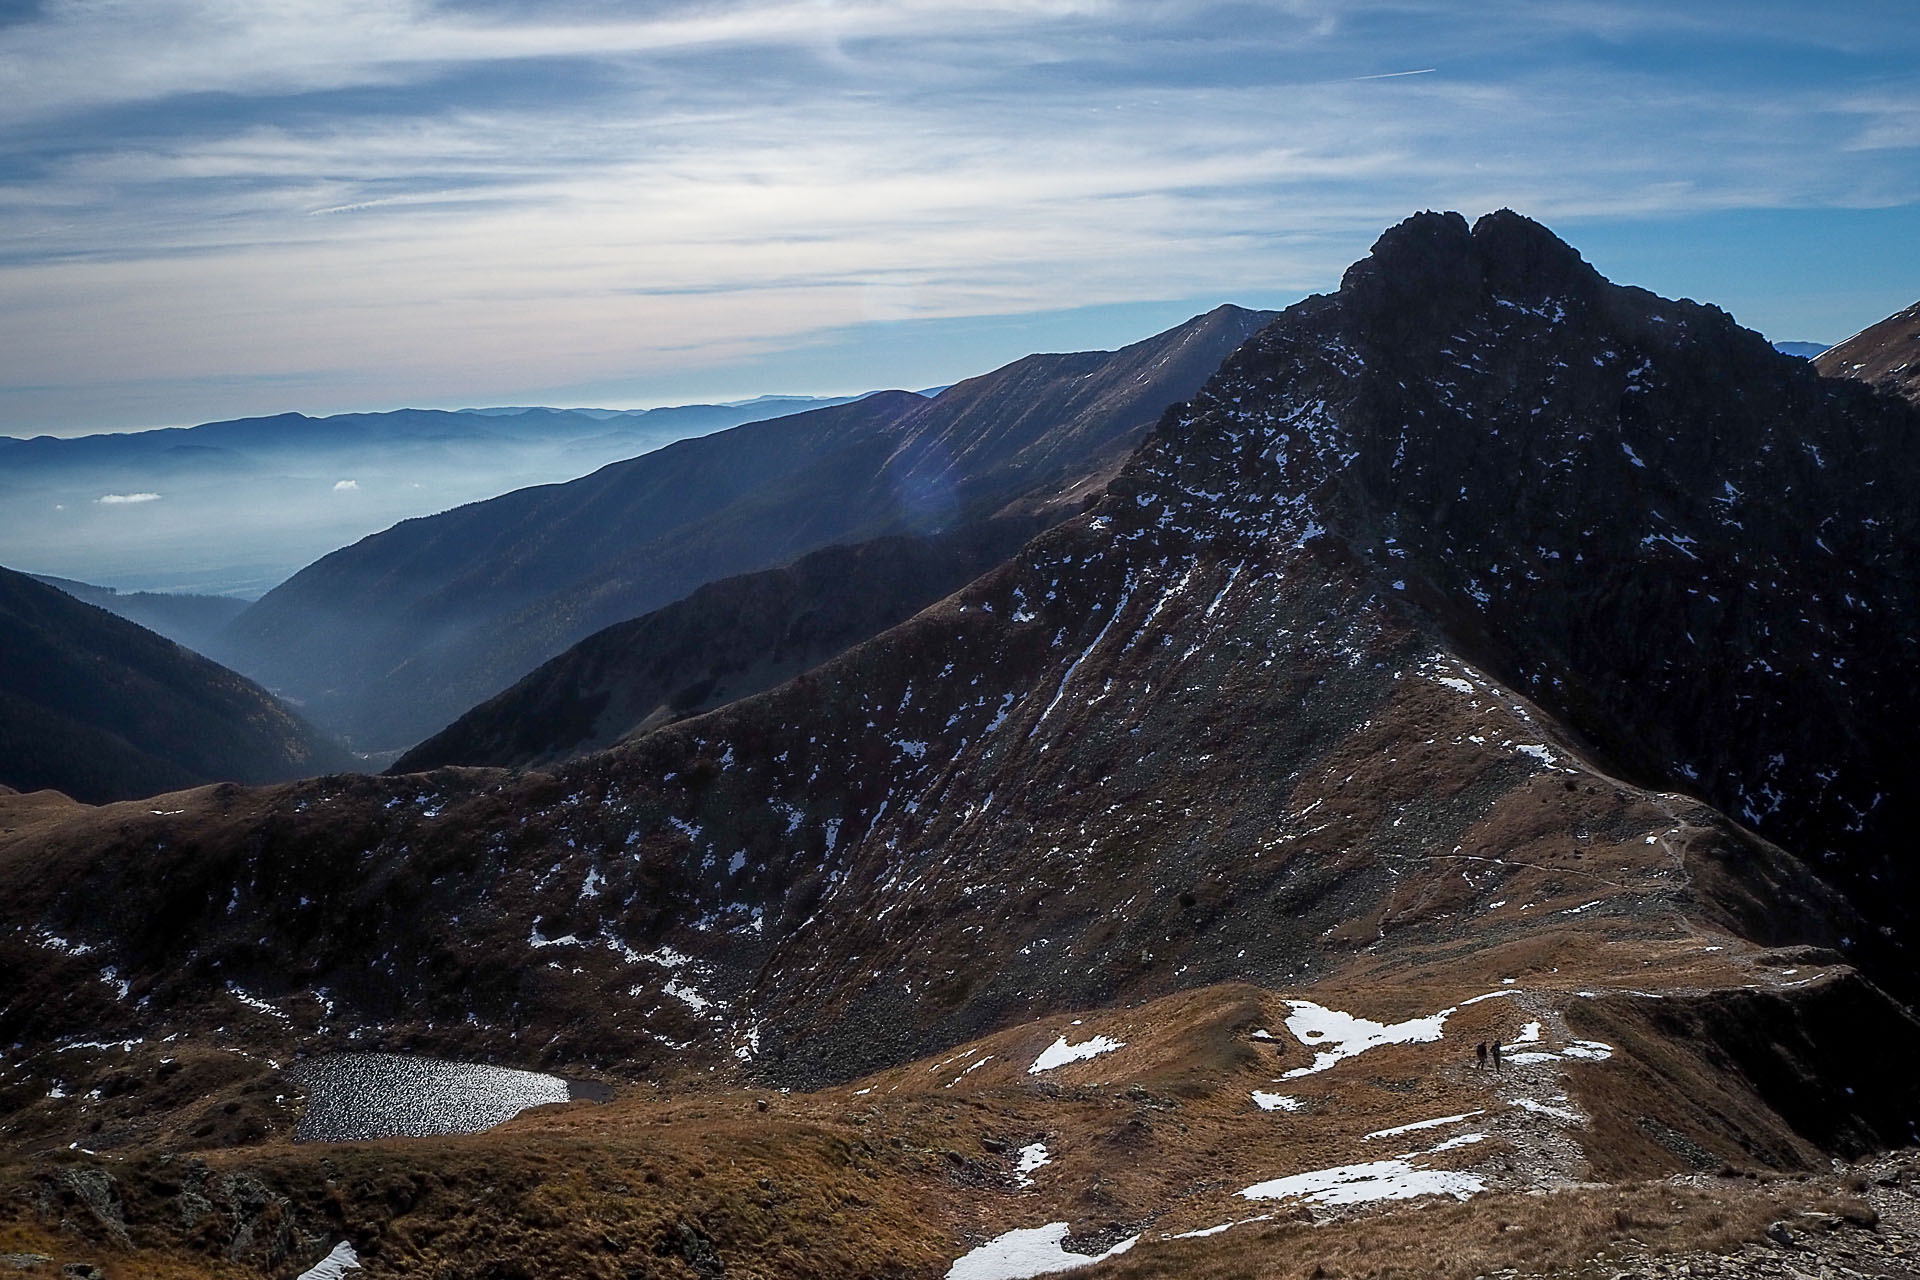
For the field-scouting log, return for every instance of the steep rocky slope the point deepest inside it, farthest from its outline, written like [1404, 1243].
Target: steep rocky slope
[101, 709]
[1693, 549]
[389, 640]
[1886, 355]
[1196, 845]
[726, 641]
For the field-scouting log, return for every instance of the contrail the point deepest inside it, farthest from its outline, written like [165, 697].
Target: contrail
[1388, 75]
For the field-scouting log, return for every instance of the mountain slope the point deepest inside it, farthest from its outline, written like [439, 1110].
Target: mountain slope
[1217, 728]
[183, 618]
[1886, 355]
[102, 709]
[726, 641]
[1697, 551]
[390, 639]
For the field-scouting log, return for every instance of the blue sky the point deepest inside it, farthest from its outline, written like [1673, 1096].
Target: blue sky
[218, 207]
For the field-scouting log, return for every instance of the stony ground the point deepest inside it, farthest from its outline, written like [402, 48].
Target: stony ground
[1881, 1239]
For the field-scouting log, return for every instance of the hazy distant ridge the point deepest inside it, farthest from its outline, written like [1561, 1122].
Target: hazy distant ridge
[235, 507]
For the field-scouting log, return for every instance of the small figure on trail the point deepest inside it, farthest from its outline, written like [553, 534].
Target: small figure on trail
[1480, 1056]
[1496, 1055]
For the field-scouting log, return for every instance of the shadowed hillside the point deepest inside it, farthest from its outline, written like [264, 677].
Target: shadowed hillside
[727, 640]
[101, 709]
[184, 618]
[390, 639]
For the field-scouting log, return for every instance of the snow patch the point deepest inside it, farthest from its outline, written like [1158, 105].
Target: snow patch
[1035, 1251]
[337, 1265]
[1366, 1182]
[1336, 1036]
[1417, 1125]
[1060, 1053]
[1032, 1156]
[687, 995]
[1583, 1050]
[1276, 1101]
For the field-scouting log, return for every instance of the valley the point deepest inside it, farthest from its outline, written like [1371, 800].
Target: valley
[1115, 871]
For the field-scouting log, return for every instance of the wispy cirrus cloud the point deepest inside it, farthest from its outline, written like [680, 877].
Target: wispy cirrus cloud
[400, 200]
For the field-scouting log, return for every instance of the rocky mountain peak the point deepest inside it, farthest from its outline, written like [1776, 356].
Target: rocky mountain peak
[1524, 262]
[1601, 494]
[1429, 272]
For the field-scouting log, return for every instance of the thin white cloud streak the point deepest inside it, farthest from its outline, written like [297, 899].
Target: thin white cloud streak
[98, 52]
[575, 276]
[126, 499]
[975, 161]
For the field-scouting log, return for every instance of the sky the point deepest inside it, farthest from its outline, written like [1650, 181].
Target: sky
[211, 208]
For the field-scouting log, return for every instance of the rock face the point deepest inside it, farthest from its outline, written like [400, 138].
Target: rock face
[390, 639]
[727, 640]
[1887, 355]
[101, 709]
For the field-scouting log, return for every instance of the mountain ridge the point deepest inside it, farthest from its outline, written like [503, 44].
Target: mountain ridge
[447, 612]
[1885, 354]
[727, 640]
[1264, 656]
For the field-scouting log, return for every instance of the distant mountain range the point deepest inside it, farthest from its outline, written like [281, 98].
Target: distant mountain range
[388, 640]
[232, 508]
[1805, 350]
[101, 709]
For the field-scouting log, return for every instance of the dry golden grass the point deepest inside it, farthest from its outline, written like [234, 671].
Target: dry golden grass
[1569, 1232]
[897, 1174]
[152, 1264]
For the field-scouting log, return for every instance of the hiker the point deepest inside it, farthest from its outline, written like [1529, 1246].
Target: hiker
[1496, 1055]
[1480, 1056]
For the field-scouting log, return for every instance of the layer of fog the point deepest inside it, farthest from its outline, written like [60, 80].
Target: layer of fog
[234, 509]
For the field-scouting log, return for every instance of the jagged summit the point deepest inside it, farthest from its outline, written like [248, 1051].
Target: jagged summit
[1431, 270]
[1695, 549]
